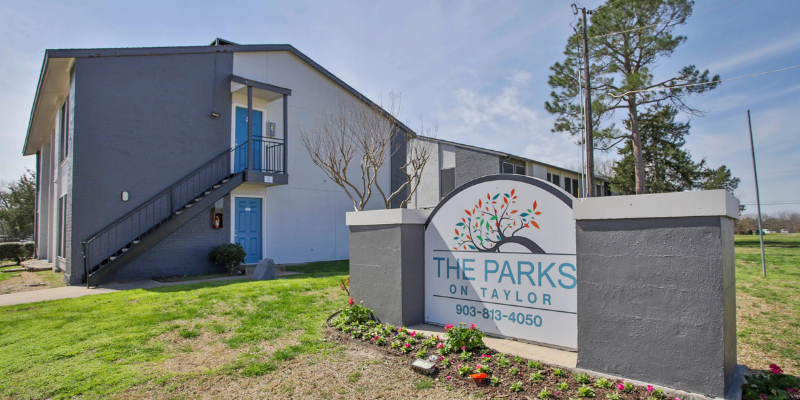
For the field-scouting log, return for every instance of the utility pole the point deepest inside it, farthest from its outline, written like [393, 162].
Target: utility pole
[758, 198]
[589, 139]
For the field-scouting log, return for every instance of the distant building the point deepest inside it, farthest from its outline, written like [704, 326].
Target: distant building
[453, 164]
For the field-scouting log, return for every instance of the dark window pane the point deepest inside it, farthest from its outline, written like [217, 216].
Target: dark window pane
[549, 177]
[520, 169]
[508, 168]
[575, 187]
[447, 181]
[557, 180]
[568, 184]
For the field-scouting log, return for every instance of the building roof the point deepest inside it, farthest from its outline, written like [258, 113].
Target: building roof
[63, 57]
[506, 155]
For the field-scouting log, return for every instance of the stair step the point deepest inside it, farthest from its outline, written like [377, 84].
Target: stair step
[179, 212]
[216, 186]
[198, 199]
[112, 258]
[135, 242]
[189, 205]
[124, 249]
[225, 180]
[207, 192]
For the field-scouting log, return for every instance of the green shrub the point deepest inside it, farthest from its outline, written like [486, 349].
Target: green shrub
[495, 381]
[545, 394]
[460, 336]
[582, 378]
[537, 376]
[562, 386]
[585, 391]
[602, 383]
[355, 315]
[229, 255]
[516, 387]
[534, 364]
[559, 372]
[16, 251]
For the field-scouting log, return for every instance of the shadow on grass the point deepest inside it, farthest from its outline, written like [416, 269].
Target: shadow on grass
[314, 270]
[768, 242]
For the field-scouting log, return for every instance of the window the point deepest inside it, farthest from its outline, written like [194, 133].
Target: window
[62, 227]
[508, 168]
[599, 191]
[575, 187]
[519, 169]
[447, 181]
[556, 180]
[549, 177]
[568, 185]
[64, 131]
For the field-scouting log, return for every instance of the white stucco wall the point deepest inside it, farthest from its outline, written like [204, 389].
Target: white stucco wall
[304, 220]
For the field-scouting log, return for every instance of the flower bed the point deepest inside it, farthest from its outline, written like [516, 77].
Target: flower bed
[463, 361]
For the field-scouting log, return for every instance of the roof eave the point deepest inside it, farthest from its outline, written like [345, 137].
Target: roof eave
[45, 62]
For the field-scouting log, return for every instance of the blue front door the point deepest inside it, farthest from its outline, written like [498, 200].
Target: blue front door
[241, 137]
[248, 227]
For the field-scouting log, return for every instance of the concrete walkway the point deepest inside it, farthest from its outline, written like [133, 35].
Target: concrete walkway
[70, 292]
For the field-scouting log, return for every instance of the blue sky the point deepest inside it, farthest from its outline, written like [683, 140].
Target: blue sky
[478, 68]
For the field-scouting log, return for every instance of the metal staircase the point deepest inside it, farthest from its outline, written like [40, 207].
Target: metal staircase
[141, 229]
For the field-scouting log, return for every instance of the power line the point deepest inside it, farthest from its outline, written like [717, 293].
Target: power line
[652, 25]
[704, 83]
[775, 203]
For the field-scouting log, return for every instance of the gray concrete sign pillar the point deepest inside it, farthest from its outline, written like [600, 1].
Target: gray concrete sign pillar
[656, 288]
[387, 263]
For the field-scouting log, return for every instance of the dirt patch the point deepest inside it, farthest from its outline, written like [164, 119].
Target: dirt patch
[349, 371]
[758, 351]
[30, 281]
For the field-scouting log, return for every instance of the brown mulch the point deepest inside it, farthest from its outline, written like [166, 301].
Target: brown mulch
[530, 389]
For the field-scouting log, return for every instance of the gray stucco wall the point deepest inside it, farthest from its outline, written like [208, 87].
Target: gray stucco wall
[141, 124]
[193, 242]
[399, 151]
[472, 164]
[387, 271]
[656, 301]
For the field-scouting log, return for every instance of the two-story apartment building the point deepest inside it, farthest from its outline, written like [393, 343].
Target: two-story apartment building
[454, 164]
[147, 158]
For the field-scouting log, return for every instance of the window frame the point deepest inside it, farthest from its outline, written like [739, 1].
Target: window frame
[64, 131]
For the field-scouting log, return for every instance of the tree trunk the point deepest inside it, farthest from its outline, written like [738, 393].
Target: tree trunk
[638, 158]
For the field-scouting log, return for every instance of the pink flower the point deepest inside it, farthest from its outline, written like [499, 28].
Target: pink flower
[351, 302]
[437, 337]
[621, 387]
[649, 388]
[486, 356]
[478, 366]
[406, 345]
[763, 396]
[472, 326]
[622, 380]
[413, 333]
[375, 338]
[449, 377]
[447, 327]
[441, 358]
[775, 369]
[463, 348]
[439, 345]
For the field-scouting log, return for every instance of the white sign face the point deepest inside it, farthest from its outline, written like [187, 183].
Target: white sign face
[500, 254]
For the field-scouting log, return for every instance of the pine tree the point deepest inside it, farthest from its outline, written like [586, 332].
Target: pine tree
[668, 166]
[627, 38]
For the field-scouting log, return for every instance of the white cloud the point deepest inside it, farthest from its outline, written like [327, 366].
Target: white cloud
[757, 54]
[504, 121]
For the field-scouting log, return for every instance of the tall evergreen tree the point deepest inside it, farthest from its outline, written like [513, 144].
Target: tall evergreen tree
[668, 166]
[17, 206]
[627, 40]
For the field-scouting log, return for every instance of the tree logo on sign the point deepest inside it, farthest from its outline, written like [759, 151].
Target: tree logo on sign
[495, 222]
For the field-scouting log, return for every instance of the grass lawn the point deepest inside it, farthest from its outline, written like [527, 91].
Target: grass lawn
[768, 308]
[222, 339]
[263, 339]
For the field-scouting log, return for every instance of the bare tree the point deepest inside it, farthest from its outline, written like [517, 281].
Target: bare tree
[365, 134]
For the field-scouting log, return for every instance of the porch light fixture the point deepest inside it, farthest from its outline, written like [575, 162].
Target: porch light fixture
[214, 115]
[124, 196]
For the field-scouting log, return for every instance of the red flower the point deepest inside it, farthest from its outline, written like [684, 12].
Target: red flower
[448, 327]
[351, 302]
[775, 369]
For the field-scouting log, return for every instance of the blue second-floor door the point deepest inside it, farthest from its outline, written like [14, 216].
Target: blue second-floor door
[241, 137]
[248, 227]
